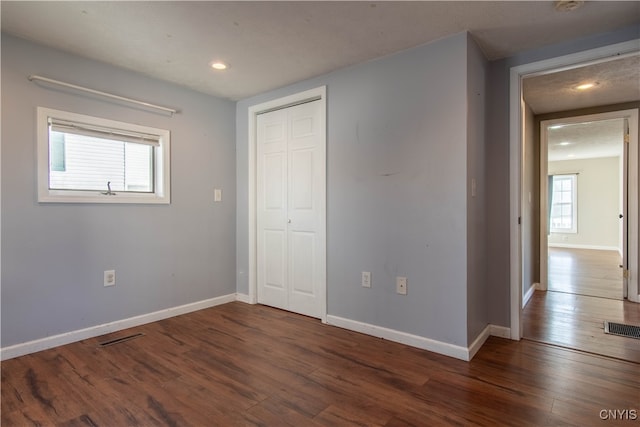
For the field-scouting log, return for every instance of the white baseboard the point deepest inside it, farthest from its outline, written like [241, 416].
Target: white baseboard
[500, 331]
[577, 246]
[243, 298]
[456, 351]
[478, 342]
[440, 347]
[489, 330]
[527, 296]
[17, 350]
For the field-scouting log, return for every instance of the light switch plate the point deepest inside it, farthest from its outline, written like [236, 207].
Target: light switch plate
[366, 279]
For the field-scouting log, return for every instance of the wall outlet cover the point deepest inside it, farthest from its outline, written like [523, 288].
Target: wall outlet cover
[401, 285]
[109, 278]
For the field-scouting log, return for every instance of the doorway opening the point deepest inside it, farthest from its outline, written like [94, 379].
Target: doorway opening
[583, 204]
[569, 325]
[587, 200]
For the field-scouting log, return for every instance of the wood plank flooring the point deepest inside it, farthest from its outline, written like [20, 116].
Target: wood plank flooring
[577, 321]
[585, 289]
[585, 272]
[244, 365]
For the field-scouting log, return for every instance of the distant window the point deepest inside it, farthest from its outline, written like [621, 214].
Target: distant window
[89, 159]
[564, 204]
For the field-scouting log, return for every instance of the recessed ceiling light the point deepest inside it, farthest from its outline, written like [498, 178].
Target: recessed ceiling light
[218, 65]
[568, 5]
[565, 143]
[571, 155]
[556, 127]
[586, 86]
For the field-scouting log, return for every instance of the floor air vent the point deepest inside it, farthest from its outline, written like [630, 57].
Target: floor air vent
[622, 330]
[120, 340]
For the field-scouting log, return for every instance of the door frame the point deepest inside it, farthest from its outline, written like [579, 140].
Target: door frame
[630, 254]
[319, 94]
[516, 152]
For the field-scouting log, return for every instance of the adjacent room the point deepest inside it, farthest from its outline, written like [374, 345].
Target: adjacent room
[319, 213]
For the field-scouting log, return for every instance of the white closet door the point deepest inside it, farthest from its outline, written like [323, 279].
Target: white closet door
[306, 207]
[291, 209]
[272, 209]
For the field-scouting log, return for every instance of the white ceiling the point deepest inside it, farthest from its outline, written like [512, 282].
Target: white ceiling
[272, 44]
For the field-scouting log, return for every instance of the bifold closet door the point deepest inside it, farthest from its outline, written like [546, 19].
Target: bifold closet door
[291, 254]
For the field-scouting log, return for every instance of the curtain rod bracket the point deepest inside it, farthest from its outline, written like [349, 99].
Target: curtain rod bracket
[171, 111]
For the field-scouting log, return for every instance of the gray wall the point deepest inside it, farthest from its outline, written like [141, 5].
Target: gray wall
[477, 295]
[397, 196]
[397, 188]
[54, 255]
[498, 160]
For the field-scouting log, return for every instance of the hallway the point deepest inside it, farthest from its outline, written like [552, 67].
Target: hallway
[589, 272]
[585, 289]
[577, 322]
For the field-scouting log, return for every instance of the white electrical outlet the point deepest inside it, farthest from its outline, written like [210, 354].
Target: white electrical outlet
[401, 285]
[366, 279]
[217, 195]
[109, 277]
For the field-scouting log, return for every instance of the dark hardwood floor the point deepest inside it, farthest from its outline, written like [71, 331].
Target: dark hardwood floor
[238, 364]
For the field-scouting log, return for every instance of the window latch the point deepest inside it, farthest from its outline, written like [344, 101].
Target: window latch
[108, 192]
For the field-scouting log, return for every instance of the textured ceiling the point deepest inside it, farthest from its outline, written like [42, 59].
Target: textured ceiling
[617, 81]
[586, 140]
[272, 44]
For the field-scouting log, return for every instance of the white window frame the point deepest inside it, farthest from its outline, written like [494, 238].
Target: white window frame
[574, 205]
[162, 165]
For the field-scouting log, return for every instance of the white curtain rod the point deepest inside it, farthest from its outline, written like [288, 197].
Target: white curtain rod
[105, 94]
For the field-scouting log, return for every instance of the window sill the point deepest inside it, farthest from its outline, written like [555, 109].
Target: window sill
[91, 197]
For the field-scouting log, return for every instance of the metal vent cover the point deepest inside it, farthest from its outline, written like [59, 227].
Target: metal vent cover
[120, 340]
[622, 330]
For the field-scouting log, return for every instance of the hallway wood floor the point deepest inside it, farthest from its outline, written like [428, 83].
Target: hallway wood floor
[589, 272]
[585, 289]
[577, 321]
[244, 365]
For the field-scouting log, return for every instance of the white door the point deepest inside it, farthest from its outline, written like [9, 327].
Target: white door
[291, 254]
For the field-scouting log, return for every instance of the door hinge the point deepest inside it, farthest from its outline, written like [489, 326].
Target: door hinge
[626, 138]
[626, 274]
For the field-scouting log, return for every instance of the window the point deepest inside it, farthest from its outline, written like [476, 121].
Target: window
[93, 160]
[563, 214]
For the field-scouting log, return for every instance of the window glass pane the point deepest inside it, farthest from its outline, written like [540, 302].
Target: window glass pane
[91, 162]
[57, 152]
[562, 212]
[138, 168]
